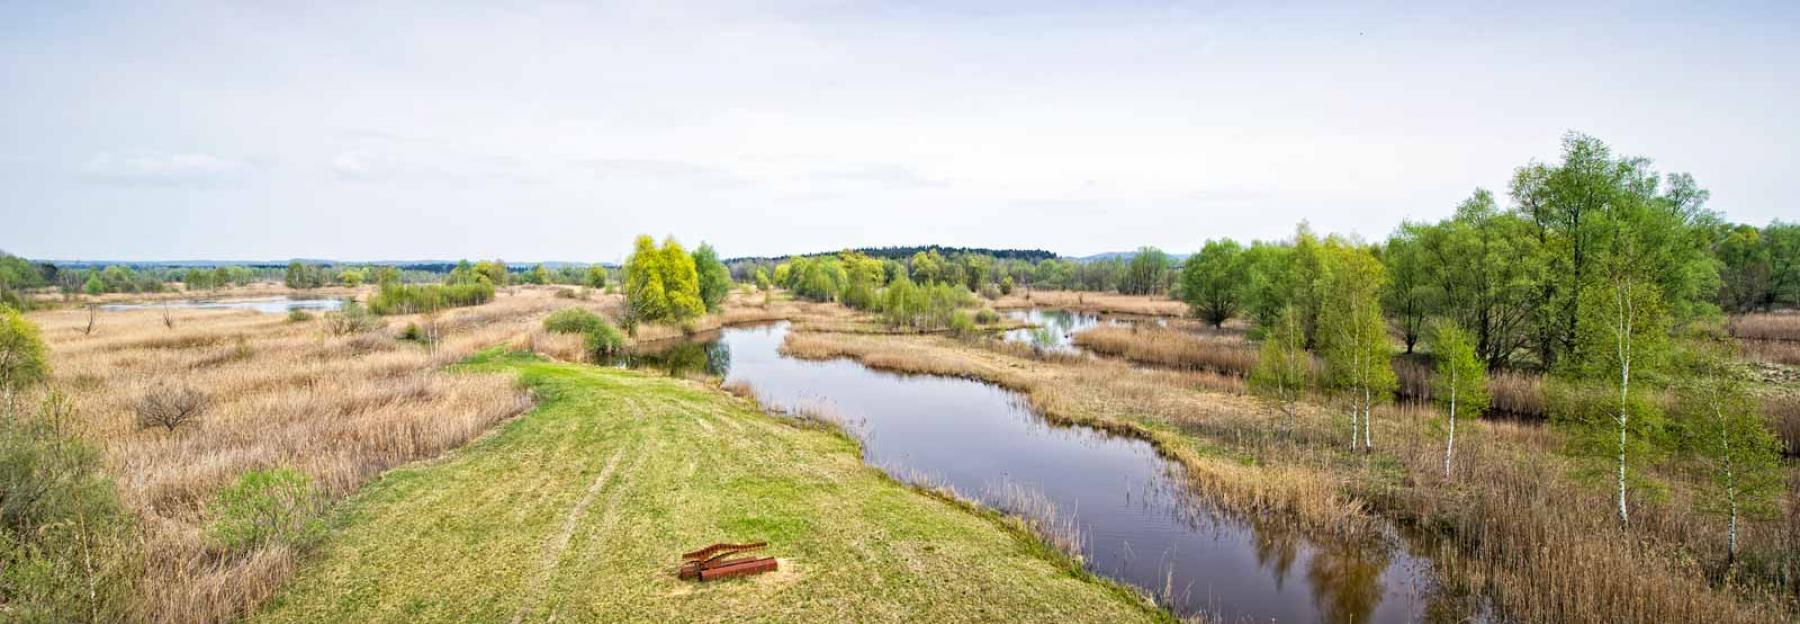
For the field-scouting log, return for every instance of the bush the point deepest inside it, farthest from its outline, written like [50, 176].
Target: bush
[298, 315]
[170, 407]
[276, 506]
[412, 332]
[397, 298]
[990, 292]
[60, 509]
[960, 325]
[604, 339]
[571, 321]
[987, 316]
[351, 319]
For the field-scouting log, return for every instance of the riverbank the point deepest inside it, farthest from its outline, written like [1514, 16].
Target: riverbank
[1510, 525]
[615, 472]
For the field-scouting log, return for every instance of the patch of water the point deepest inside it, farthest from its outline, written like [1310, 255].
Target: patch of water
[266, 305]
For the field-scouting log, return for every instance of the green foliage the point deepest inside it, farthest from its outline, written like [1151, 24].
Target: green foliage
[603, 339]
[298, 315]
[494, 271]
[571, 321]
[301, 275]
[817, 278]
[1283, 368]
[273, 506]
[537, 275]
[661, 284]
[1737, 455]
[596, 277]
[762, 280]
[397, 298]
[1351, 330]
[1144, 275]
[352, 277]
[68, 551]
[905, 304]
[714, 278]
[1460, 379]
[22, 359]
[960, 324]
[1213, 281]
[987, 316]
[863, 278]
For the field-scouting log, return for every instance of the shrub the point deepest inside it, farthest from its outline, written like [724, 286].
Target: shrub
[960, 324]
[298, 315]
[275, 506]
[571, 321]
[22, 361]
[604, 339]
[412, 332]
[351, 319]
[61, 509]
[170, 407]
[987, 316]
[990, 291]
[397, 298]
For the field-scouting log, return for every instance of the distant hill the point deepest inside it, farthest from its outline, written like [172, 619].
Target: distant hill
[1127, 256]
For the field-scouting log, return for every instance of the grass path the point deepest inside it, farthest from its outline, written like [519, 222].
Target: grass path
[577, 512]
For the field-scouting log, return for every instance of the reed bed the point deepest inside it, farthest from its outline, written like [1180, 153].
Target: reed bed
[1783, 325]
[1220, 352]
[1096, 302]
[340, 408]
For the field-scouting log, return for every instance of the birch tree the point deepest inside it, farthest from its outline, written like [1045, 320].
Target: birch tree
[1283, 368]
[1622, 342]
[1461, 381]
[1354, 334]
[1738, 456]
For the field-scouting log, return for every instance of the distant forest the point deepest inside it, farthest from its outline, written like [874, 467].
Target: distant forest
[903, 253]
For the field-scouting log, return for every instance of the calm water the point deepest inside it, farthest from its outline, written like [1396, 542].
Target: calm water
[1138, 522]
[1054, 330]
[266, 305]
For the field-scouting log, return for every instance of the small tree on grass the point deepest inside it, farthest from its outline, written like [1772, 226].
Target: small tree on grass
[1283, 368]
[1460, 382]
[1737, 454]
[1602, 400]
[170, 407]
[22, 360]
[1354, 334]
[1212, 281]
[714, 279]
[275, 506]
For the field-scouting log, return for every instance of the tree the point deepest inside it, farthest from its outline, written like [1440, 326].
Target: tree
[1213, 280]
[1283, 368]
[22, 361]
[681, 282]
[493, 270]
[763, 283]
[537, 275]
[646, 298]
[1744, 269]
[596, 277]
[1481, 272]
[1144, 274]
[1738, 455]
[1353, 333]
[714, 278]
[1410, 296]
[1460, 382]
[1783, 242]
[1621, 340]
[94, 285]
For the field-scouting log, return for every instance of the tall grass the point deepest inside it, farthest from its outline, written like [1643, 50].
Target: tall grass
[1219, 352]
[338, 409]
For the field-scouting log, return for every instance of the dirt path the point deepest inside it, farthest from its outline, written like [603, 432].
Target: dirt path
[560, 542]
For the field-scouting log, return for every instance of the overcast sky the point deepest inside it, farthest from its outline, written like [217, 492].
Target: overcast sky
[393, 130]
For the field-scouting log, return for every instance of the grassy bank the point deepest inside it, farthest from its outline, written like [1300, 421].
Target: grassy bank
[577, 512]
[1512, 523]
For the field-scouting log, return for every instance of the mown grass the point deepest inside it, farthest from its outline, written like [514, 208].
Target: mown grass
[577, 512]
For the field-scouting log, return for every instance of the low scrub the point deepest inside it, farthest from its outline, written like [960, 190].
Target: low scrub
[397, 298]
[264, 507]
[599, 336]
[352, 318]
[1767, 326]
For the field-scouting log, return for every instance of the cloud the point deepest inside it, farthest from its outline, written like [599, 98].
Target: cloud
[156, 168]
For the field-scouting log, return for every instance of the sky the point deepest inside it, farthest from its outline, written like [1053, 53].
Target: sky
[534, 132]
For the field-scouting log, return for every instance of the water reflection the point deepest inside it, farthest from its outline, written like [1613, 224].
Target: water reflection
[1053, 330]
[1137, 519]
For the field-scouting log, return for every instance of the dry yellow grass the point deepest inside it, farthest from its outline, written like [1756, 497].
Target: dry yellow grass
[1097, 302]
[340, 408]
[1221, 352]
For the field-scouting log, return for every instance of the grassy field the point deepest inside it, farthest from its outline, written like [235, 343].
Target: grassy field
[577, 512]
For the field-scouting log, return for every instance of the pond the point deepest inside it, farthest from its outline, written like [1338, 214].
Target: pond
[1137, 521]
[266, 305]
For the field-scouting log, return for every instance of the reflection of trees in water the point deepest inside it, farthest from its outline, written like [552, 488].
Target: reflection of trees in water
[1277, 546]
[712, 357]
[1346, 580]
